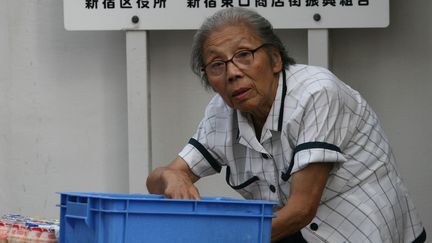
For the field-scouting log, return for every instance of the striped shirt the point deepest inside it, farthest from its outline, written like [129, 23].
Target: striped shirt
[315, 118]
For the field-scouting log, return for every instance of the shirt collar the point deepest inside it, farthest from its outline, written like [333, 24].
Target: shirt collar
[273, 122]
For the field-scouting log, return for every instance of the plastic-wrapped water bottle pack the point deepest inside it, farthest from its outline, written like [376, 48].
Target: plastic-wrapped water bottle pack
[20, 229]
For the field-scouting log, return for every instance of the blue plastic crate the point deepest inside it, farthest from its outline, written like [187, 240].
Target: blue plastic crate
[128, 218]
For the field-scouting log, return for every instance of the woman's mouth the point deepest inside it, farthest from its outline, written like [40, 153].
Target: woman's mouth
[240, 93]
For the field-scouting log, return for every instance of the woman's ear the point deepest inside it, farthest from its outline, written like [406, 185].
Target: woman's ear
[276, 60]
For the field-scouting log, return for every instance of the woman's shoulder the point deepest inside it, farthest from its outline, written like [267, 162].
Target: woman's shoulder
[218, 107]
[306, 79]
[306, 74]
[217, 117]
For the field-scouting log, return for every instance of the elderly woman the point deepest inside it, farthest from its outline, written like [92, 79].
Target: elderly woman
[291, 133]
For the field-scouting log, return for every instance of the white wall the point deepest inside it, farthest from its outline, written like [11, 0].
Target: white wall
[4, 119]
[63, 107]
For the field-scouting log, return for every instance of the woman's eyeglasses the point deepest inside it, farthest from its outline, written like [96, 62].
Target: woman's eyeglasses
[242, 59]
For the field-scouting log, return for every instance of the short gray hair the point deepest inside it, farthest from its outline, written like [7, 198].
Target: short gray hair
[234, 16]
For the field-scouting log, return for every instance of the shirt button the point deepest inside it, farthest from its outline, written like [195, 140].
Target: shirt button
[265, 156]
[285, 176]
[313, 226]
[272, 188]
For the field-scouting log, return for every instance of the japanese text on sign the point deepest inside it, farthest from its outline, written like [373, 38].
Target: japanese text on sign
[189, 14]
[142, 4]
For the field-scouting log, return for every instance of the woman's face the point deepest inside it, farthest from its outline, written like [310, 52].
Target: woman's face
[249, 89]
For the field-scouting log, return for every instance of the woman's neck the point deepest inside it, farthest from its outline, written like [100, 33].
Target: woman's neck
[259, 115]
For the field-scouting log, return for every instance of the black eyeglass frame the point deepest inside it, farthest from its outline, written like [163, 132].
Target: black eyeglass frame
[252, 51]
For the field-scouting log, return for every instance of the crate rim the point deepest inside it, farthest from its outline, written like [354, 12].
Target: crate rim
[158, 197]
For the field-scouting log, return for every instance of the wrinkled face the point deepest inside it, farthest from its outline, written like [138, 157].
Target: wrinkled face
[249, 89]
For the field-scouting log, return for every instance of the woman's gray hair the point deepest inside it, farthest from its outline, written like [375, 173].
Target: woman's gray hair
[234, 16]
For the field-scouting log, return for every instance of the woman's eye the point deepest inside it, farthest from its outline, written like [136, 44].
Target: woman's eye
[217, 64]
[243, 54]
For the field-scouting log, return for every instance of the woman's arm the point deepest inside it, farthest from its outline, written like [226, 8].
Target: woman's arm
[307, 186]
[174, 181]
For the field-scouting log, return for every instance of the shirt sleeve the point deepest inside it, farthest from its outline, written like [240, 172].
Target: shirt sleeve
[199, 159]
[199, 153]
[323, 124]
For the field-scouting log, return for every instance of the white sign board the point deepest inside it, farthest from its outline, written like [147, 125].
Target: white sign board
[189, 14]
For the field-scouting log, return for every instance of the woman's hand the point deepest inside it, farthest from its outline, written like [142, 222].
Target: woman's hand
[174, 181]
[178, 185]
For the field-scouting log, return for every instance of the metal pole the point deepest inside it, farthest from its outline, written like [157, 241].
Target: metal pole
[318, 47]
[138, 95]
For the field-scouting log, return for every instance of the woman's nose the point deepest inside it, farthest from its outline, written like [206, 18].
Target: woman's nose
[233, 71]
